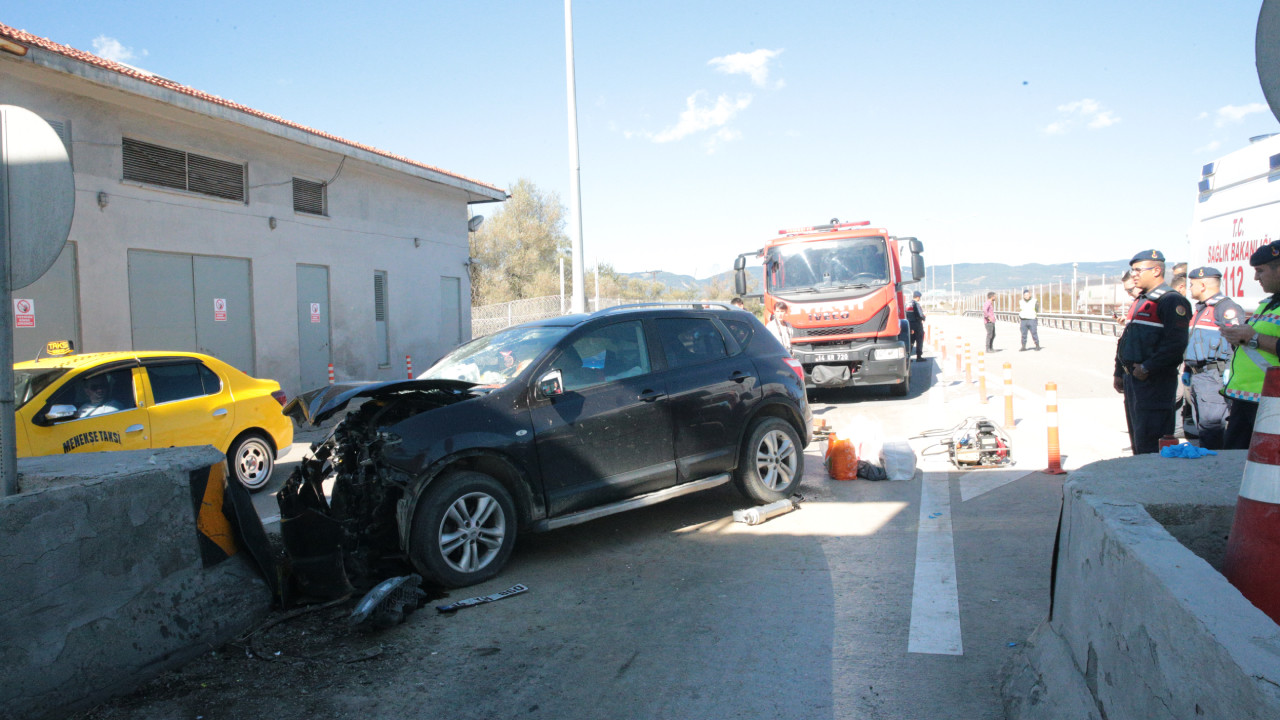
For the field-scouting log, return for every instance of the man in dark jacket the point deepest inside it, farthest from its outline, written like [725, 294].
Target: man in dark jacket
[1150, 353]
[915, 318]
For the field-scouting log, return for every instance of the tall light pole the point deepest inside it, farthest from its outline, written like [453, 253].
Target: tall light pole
[1074, 268]
[578, 302]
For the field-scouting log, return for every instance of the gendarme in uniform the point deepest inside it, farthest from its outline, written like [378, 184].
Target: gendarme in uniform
[1209, 354]
[1149, 356]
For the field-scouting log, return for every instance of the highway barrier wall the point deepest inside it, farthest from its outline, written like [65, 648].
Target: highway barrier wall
[1143, 624]
[114, 570]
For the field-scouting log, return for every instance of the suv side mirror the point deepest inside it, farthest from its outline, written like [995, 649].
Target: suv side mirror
[551, 385]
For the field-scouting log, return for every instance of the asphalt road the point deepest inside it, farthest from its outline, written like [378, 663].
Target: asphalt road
[874, 600]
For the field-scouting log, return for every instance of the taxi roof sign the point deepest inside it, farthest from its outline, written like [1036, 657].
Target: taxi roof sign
[58, 348]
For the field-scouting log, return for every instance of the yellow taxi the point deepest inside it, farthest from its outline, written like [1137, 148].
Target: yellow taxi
[149, 399]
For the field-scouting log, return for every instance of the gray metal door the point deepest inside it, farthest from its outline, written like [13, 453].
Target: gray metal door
[313, 326]
[224, 310]
[54, 305]
[161, 301]
[193, 303]
[451, 310]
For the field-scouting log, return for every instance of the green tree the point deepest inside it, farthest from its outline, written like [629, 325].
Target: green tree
[517, 249]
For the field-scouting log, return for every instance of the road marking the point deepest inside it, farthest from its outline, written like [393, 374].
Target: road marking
[935, 599]
[979, 482]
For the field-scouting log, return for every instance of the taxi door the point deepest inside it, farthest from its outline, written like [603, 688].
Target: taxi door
[126, 428]
[189, 404]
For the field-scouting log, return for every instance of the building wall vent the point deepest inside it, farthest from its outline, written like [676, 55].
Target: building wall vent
[158, 165]
[309, 197]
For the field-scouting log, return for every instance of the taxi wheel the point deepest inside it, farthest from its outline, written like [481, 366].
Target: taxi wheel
[251, 458]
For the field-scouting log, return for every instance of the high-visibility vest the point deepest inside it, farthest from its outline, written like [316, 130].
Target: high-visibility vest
[1249, 365]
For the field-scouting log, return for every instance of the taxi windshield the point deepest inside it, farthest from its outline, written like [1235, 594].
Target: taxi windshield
[847, 263]
[29, 383]
[494, 360]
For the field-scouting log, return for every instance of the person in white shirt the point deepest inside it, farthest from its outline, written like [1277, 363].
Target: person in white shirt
[1028, 312]
[778, 327]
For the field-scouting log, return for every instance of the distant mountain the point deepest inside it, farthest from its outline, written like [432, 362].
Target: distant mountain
[969, 276]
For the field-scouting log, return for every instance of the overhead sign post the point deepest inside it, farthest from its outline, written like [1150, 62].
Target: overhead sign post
[37, 200]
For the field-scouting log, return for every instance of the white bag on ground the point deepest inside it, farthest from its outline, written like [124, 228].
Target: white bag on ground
[867, 435]
[899, 460]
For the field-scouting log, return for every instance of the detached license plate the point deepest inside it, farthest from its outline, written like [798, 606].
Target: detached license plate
[830, 357]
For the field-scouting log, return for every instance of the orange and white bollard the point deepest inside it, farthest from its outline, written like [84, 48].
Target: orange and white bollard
[959, 355]
[982, 377]
[408, 366]
[968, 364]
[1008, 396]
[1051, 419]
[330, 373]
[942, 338]
[1252, 563]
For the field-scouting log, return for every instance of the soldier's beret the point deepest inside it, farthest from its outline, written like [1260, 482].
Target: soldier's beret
[1201, 273]
[1153, 255]
[1265, 254]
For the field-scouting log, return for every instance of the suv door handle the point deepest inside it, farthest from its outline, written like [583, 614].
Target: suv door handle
[738, 376]
[650, 395]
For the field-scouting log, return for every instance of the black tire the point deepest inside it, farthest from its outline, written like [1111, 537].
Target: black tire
[771, 461]
[464, 529]
[904, 387]
[251, 458]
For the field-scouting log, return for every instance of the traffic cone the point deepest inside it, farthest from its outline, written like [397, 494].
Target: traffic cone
[1252, 563]
[1051, 420]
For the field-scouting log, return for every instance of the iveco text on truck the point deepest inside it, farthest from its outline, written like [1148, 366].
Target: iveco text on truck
[843, 285]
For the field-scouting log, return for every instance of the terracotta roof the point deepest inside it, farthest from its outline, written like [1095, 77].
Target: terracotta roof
[25, 38]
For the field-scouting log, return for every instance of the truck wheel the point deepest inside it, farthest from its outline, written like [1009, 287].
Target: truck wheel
[904, 387]
[464, 529]
[252, 458]
[770, 462]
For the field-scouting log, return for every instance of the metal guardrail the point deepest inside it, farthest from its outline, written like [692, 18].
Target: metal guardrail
[1091, 324]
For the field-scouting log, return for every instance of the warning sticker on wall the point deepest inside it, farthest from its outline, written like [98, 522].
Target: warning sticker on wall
[315, 312]
[219, 309]
[24, 312]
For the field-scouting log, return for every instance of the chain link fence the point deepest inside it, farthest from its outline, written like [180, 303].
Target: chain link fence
[489, 319]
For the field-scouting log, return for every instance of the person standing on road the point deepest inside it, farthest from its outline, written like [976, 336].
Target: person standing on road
[1028, 314]
[1150, 352]
[915, 318]
[1208, 354]
[989, 320]
[1255, 343]
[778, 327]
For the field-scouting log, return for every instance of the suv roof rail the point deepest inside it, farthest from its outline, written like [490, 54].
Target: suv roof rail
[695, 305]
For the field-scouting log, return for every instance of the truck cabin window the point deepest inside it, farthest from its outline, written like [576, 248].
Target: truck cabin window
[848, 264]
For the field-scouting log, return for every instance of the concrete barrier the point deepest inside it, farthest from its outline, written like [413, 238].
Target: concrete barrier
[106, 581]
[1142, 624]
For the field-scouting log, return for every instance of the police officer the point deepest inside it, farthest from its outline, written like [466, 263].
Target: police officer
[1150, 352]
[915, 318]
[1208, 353]
[1255, 342]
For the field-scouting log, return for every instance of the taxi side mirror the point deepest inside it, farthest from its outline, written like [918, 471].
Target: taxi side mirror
[55, 414]
[551, 385]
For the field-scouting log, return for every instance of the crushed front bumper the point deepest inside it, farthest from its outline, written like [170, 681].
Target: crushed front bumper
[853, 364]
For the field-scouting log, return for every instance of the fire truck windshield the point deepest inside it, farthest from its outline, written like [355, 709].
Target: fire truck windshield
[827, 265]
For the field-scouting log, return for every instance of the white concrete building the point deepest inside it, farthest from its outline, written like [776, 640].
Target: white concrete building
[205, 225]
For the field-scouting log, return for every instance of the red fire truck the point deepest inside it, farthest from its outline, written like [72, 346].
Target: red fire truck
[843, 286]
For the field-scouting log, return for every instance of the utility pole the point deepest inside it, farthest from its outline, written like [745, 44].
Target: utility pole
[579, 301]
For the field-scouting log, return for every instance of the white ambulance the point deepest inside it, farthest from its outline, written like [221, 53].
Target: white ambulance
[1237, 211]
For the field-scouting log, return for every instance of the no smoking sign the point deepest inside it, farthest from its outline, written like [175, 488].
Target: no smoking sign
[24, 312]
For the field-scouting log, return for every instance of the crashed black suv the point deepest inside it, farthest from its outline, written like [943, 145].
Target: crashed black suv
[540, 426]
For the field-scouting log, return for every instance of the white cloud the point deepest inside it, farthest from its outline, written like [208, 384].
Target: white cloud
[1228, 114]
[112, 49]
[1088, 111]
[754, 64]
[1213, 145]
[698, 117]
[721, 136]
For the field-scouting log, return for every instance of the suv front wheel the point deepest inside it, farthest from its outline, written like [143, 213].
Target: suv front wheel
[464, 529]
[771, 461]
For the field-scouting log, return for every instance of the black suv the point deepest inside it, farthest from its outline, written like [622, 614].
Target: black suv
[544, 425]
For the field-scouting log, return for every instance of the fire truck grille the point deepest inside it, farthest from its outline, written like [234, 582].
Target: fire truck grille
[875, 324]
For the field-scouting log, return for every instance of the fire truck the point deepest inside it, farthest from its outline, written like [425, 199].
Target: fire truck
[843, 287]
[1237, 211]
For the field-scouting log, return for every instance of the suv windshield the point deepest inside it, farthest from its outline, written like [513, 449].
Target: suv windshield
[828, 265]
[28, 383]
[494, 360]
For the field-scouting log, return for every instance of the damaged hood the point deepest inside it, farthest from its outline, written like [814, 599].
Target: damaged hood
[315, 406]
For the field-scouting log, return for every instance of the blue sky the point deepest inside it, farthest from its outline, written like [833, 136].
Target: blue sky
[998, 131]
